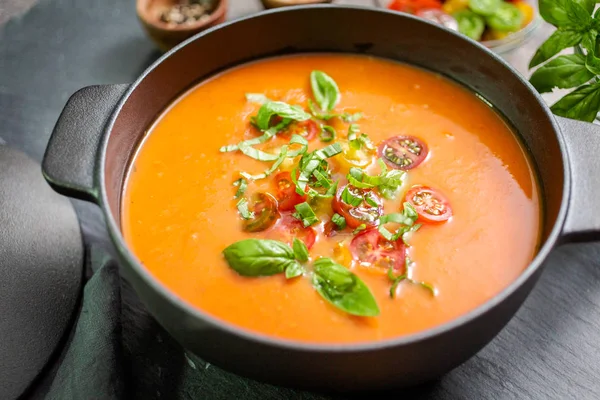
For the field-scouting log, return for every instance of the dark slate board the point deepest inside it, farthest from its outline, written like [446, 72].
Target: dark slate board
[550, 350]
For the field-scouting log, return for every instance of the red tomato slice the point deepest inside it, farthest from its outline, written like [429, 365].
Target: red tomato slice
[412, 6]
[403, 152]
[370, 247]
[286, 191]
[289, 228]
[309, 129]
[265, 211]
[431, 205]
[364, 213]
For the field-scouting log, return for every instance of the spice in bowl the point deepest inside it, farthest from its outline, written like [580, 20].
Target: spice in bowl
[188, 12]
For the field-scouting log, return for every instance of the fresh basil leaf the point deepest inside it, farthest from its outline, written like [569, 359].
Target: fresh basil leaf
[280, 158]
[327, 133]
[329, 151]
[242, 185]
[349, 118]
[406, 219]
[484, 7]
[560, 40]
[565, 14]
[350, 198]
[562, 72]
[340, 287]
[470, 24]
[588, 5]
[300, 250]
[257, 140]
[284, 110]
[338, 220]
[306, 214]
[294, 270]
[592, 62]
[325, 90]
[582, 104]
[297, 139]
[257, 98]
[387, 182]
[589, 40]
[259, 257]
[242, 207]
[507, 18]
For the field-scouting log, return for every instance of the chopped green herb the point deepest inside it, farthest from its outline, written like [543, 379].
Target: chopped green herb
[347, 117]
[358, 140]
[404, 277]
[257, 140]
[242, 207]
[300, 250]
[297, 139]
[306, 214]
[387, 182]
[351, 198]
[327, 133]
[343, 289]
[338, 220]
[282, 155]
[326, 116]
[406, 219]
[279, 108]
[325, 90]
[242, 185]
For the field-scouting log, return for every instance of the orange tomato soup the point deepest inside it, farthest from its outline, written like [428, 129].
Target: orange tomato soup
[179, 211]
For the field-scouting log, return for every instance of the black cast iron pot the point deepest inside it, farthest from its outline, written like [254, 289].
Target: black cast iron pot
[101, 126]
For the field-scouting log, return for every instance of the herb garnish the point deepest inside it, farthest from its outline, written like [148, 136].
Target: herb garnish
[576, 27]
[257, 98]
[406, 219]
[343, 289]
[305, 213]
[396, 280]
[338, 220]
[259, 257]
[327, 133]
[242, 207]
[242, 185]
[387, 182]
[281, 109]
[325, 90]
[300, 250]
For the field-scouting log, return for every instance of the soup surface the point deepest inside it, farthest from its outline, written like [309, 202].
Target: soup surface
[467, 238]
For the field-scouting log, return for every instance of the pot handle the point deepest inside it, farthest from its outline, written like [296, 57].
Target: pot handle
[71, 157]
[583, 147]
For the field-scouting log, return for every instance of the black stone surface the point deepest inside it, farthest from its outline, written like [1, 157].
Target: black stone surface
[550, 350]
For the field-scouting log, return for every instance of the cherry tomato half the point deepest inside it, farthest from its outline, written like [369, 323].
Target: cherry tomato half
[370, 247]
[403, 152]
[286, 191]
[431, 205]
[363, 213]
[265, 211]
[309, 129]
[289, 228]
[412, 6]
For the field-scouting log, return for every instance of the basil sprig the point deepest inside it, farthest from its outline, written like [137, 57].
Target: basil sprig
[340, 287]
[260, 257]
[325, 90]
[334, 282]
[281, 109]
[575, 26]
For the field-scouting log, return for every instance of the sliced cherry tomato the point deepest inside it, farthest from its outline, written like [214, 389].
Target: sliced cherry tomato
[289, 228]
[363, 213]
[309, 129]
[265, 211]
[329, 229]
[412, 6]
[403, 152]
[431, 205]
[286, 191]
[370, 247]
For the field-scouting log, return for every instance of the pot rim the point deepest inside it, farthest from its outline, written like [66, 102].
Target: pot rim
[404, 340]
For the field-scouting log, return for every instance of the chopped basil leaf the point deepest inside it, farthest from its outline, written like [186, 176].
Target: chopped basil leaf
[387, 182]
[343, 289]
[353, 131]
[358, 140]
[325, 90]
[256, 154]
[351, 198]
[347, 117]
[406, 219]
[404, 277]
[359, 228]
[322, 179]
[297, 139]
[306, 214]
[242, 207]
[300, 250]
[371, 202]
[293, 271]
[284, 110]
[326, 116]
[257, 98]
[242, 185]
[259, 257]
[311, 162]
[282, 155]
[338, 220]
[329, 151]
[327, 133]
[269, 133]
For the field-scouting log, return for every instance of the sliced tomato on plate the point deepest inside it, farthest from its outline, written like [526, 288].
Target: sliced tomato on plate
[289, 228]
[431, 205]
[372, 248]
[286, 191]
[403, 152]
[366, 212]
[264, 207]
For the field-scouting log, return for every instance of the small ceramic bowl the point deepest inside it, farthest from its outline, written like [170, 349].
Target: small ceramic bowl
[167, 35]
[287, 3]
